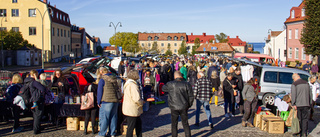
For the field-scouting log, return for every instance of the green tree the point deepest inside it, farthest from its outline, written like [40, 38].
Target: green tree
[13, 40]
[183, 49]
[99, 50]
[154, 47]
[197, 42]
[211, 41]
[168, 52]
[311, 31]
[222, 38]
[127, 40]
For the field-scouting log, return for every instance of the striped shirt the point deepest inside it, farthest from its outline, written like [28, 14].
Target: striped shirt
[203, 89]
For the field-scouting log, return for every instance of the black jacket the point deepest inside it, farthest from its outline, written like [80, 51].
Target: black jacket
[180, 94]
[228, 90]
[240, 81]
[216, 84]
[192, 75]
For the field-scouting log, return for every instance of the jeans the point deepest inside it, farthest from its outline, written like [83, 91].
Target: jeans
[37, 114]
[228, 103]
[90, 113]
[206, 107]
[249, 108]
[108, 117]
[134, 123]
[184, 119]
[303, 116]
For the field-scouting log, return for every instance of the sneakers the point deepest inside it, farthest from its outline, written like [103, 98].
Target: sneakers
[34, 105]
[249, 125]
[211, 126]
[227, 115]
[243, 123]
[231, 115]
[19, 129]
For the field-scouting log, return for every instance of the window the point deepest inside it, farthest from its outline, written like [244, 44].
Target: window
[310, 57]
[3, 28]
[15, 12]
[162, 44]
[57, 15]
[290, 52]
[296, 55]
[149, 38]
[60, 16]
[68, 47]
[175, 38]
[149, 45]
[64, 31]
[270, 76]
[181, 38]
[58, 33]
[290, 34]
[169, 38]
[285, 78]
[14, 1]
[32, 31]
[3, 13]
[32, 12]
[142, 45]
[156, 38]
[15, 29]
[58, 49]
[52, 31]
[296, 34]
[175, 44]
[53, 49]
[162, 51]
[68, 33]
[292, 14]
[175, 50]
[61, 34]
[65, 48]
[303, 12]
[303, 54]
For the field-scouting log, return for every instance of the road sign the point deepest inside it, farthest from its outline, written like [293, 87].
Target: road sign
[120, 48]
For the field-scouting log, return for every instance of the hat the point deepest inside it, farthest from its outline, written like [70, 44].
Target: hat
[307, 61]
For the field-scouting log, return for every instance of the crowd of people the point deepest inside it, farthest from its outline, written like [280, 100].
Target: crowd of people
[184, 79]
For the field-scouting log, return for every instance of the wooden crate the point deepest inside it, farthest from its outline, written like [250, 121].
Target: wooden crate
[275, 126]
[264, 122]
[73, 123]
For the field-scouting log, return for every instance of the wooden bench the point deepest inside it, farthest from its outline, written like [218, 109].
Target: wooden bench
[292, 64]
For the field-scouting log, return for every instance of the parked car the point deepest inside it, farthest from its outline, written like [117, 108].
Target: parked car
[255, 57]
[87, 60]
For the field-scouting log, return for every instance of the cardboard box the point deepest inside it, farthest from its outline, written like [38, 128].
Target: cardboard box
[264, 122]
[275, 126]
[73, 123]
[258, 118]
[89, 126]
[124, 130]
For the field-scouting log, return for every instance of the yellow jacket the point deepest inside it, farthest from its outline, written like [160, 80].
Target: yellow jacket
[132, 102]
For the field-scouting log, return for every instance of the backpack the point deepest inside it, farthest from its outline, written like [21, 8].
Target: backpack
[25, 93]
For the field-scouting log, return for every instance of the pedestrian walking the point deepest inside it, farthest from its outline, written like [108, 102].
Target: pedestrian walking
[314, 68]
[107, 102]
[192, 75]
[239, 80]
[203, 93]
[215, 83]
[180, 100]
[228, 94]
[250, 103]
[301, 98]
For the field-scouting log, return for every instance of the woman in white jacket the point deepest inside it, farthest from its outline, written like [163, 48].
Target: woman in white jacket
[315, 89]
[132, 104]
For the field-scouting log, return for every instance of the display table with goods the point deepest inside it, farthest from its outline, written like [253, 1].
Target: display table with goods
[69, 108]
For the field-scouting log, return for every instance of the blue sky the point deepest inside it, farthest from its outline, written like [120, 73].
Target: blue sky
[249, 19]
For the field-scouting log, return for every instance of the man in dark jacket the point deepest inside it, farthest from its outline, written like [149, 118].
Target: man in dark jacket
[239, 82]
[228, 89]
[212, 68]
[301, 99]
[180, 100]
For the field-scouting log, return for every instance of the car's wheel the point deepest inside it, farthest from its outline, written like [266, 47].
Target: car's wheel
[268, 99]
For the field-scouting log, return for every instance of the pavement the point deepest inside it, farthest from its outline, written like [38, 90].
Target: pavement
[157, 123]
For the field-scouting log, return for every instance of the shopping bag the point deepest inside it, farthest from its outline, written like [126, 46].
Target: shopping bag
[284, 115]
[289, 119]
[295, 126]
[87, 101]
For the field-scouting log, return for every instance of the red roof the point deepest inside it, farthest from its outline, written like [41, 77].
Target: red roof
[216, 47]
[161, 36]
[297, 14]
[204, 38]
[236, 41]
[109, 48]
[59, 16]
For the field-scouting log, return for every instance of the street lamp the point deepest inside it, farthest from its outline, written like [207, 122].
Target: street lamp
[2, 56]
[42, 17]
[115, 31]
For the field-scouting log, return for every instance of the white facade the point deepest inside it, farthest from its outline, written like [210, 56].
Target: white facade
[276, 46]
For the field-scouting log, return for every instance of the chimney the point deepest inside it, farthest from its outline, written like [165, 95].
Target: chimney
[237, 37]
[228, 37]
[204, 34]
[191, 34]
[55, 6]
[45, 1]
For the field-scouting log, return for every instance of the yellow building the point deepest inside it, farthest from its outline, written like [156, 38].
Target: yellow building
[175, 40]
[76, 41]
[26, 16]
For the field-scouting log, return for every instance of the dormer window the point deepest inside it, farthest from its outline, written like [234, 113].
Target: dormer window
[181, 38]
[169, 38]
[303, 12]
[292, 14]
[149, 38]
[175, 38]
[156, 38]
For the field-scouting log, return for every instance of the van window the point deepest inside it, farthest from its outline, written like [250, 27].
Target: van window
[285, 78]
[304, 77]
[270, 76]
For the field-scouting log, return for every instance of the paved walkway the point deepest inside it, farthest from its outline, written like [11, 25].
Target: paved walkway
[157, 123]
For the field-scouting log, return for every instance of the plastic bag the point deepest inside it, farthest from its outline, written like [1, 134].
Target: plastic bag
[295, 127]
[284, 115]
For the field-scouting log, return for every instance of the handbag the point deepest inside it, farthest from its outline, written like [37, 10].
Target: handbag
[295, 126]
[235, 92]
[87, 101]
[117, 92]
